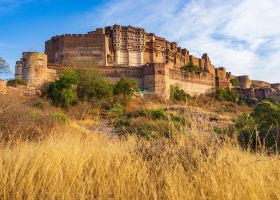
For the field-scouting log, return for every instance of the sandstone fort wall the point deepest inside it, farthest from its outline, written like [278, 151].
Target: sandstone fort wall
[125, 51]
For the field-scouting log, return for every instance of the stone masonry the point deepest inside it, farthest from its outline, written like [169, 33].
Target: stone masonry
[126, 51]
[33, 68]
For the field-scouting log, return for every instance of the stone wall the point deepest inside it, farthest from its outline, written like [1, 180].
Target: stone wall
[33, 68]
[157, 78]
[193, 84]
[259, 93]
[244, 82]
[125, 51]
[62, 48]
[260, 84]
[122, 46]
[276, 86]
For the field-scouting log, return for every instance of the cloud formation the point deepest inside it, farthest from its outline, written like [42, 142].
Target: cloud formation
[243, 35]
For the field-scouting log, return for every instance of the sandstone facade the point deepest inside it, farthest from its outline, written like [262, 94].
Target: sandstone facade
[33, 68]
[126, 51]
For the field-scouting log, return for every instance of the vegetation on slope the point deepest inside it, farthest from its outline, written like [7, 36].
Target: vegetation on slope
[90, 86]
[47, 153]
[259, 130]
[81, 165]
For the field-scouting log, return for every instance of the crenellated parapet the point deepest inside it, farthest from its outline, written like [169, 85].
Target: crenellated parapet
[152, 61]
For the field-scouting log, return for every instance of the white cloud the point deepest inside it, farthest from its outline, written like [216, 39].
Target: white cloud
[243, 35]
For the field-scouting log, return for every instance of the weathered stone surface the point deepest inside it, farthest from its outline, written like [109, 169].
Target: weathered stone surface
[33, 68]
[126, 51]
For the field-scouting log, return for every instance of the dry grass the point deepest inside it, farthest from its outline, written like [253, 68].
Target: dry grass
[78, 165]
[71, 162]
[28, 119]
[209, 103]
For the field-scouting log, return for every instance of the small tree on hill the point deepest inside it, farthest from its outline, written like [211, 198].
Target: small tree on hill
[125, 86]
[63, 92]
[92, 86]
[235, 82]
[177, 94]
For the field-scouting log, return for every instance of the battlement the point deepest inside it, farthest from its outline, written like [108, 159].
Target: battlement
[152, 61]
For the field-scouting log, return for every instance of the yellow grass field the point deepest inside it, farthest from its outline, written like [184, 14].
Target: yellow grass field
[81, 165]
[45, 155]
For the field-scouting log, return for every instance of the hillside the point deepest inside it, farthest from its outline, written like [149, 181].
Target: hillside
[80, 153]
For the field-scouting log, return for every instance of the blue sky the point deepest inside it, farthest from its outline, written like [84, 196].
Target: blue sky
[242, 35]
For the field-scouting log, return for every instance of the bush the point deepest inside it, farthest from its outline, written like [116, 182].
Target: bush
[16, 82]
[92, 86]
[59, 117]
[117, 110]
[40, 103]
[235, 82]
[177, 94]
[63, 92]
[152, 123]
[125, 86]
[259, 130]
[222, 94]
[191, 68]
[150, 114]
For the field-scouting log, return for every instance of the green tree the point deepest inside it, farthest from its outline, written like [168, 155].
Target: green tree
[223, 94]
[261, 128]
[63, 92]
[235, 82]
[177, 94]
[267, 115]
[92, 86]
[125, 86]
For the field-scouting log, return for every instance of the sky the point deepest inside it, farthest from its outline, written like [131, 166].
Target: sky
[241, 35]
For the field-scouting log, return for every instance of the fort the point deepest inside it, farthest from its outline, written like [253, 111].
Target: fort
[125, 51]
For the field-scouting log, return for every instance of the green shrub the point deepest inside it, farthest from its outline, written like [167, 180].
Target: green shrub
[40, 103]
[191, 68]
[156, 114]
[117, 110]
[267, 115]
[121, 122]
[235, 82]
[177, 94]
[223, 94]
[16, 82]
[145, 130]
[92, 86]
[149, 123]
[258, 130]
[63, 92]
[125, 87]
[59, 117]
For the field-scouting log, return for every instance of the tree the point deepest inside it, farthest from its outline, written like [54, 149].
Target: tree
[261, 128]
[177, 94]
[92, 86]
[4, 66]
[125, 86]
[63, 92]
[235, 82]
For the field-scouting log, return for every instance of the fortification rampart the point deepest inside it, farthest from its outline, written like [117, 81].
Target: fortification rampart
[33, 68]
[125, 51]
